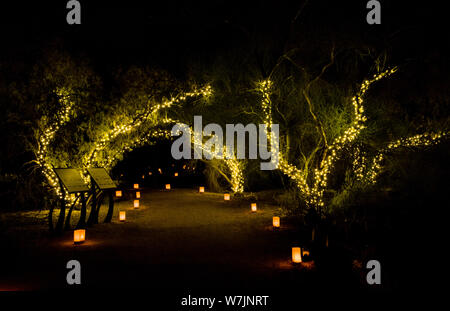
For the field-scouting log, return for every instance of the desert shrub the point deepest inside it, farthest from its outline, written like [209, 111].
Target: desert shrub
[291, 202]
[214, 170]
[24, 192]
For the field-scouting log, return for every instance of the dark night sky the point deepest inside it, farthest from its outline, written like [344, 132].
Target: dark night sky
[168, 33]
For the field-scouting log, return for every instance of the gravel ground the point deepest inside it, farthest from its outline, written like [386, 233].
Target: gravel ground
[176, 239]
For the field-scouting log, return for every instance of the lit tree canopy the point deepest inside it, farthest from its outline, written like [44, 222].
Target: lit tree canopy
[322, 123]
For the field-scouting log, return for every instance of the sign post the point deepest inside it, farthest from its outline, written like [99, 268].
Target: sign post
[103, 181]
[70, 179]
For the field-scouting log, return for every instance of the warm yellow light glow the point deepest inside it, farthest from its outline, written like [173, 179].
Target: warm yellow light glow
[138, 194]
[253, 206]
[136, 203]
[176, 174]
[314, 193]
[375, 168]
[233, 164]
[276, 221]
[43, 159]
[131, 144]
[226, 197]
[201, 189]
[122, 216]
[79, 236]
[305, 253]
[151, 113]
[296, 255]
[167, 186]
[124, 126]
[118, 193]
[136, 186]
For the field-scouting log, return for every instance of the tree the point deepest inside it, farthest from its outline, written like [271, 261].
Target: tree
[334, 137]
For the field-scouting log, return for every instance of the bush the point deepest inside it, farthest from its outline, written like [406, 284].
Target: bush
[23, 192]
[291, 202]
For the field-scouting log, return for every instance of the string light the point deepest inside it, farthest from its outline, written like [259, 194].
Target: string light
[314, 194]
[149, 114]
[237, 179]
[43, 159]
[233, 164]
[139, 141]
[291, 171]
[359, 163]
[334, 151]
[419, 140]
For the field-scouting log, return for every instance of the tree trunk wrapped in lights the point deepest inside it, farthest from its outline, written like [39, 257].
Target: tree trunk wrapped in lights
[368, 173]
[313, 191]
[51, 124]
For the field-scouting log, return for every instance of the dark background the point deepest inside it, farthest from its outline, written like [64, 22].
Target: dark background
[174, 34]
[171, 33]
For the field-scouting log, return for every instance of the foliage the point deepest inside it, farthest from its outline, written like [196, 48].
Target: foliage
[335, 134]
[332, 146]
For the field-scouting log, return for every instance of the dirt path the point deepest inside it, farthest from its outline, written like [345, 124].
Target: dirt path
[178, 238]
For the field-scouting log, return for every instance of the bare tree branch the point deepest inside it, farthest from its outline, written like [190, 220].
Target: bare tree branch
[305, 92]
